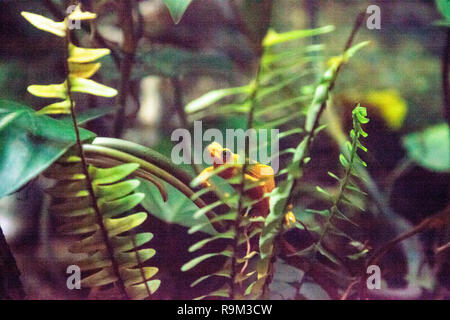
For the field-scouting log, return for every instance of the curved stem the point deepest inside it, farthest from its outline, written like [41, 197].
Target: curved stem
[98, 214]
[96, 151]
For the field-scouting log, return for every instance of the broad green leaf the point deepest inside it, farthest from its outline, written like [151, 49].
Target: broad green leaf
[45, 24]
[178, 209]
[88, 115]
[177, 8]
[444, 8]
[30, 143]
[430, 148]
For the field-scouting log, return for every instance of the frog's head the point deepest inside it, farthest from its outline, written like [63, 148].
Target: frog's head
[220, 155]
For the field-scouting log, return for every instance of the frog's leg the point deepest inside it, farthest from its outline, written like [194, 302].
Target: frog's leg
[204, 175]
[289, 217]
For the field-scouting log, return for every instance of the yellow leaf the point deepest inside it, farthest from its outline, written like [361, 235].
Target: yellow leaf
[83, 55]
[45, 24]
[134, 276]
[77, 14]
[62, 107]
[49, 91]
[140, 291]
[91, 87]
[85, 70]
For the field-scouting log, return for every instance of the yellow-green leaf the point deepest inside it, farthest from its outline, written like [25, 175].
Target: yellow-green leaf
[45, 24]
[83, 70]
[139, 291]
[49, 91]
[62, 107]
[118, 226]
[134, 276]
[101, 278]
[91, 87]
[83, 55]
[273, 37]
[77, 14]
[111, 175]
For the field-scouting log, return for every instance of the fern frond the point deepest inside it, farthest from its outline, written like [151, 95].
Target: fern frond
[349, 160]
[242, 228]
[80, 65]
[109, 241]
[280, 197]
[94, 202]
[283, 73]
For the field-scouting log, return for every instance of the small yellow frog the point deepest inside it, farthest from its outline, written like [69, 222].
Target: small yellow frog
[255, 172]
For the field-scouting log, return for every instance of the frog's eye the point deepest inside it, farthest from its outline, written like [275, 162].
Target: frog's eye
[226, 155]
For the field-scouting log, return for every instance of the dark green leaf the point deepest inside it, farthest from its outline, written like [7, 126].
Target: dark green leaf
[177, 209]
[29, 143]
[430, 148]
[177, 8]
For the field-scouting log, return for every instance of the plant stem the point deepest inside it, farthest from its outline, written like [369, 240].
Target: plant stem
[179, 106]
[342, 187]
[98, 214]
[126, 64]
[311, 125]
[241, 187]
[435, 220]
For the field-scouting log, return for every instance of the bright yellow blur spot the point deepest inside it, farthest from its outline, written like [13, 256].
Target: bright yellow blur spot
[289, 219]
[391, 106]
